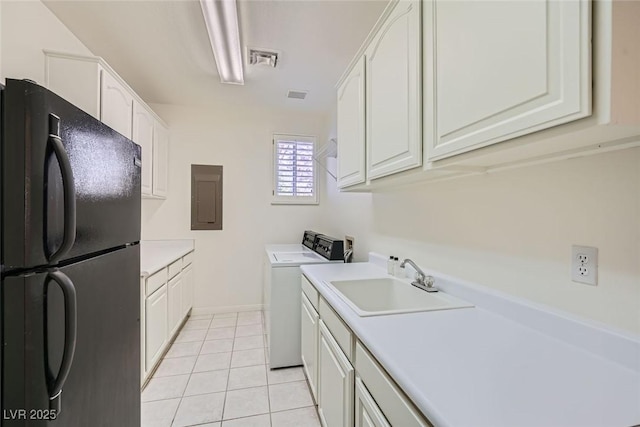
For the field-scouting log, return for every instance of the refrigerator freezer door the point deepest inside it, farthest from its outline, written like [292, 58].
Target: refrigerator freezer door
[53, 151]
[102, 387]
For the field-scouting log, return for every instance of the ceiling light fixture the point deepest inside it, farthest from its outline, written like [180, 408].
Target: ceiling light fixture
[221, 19]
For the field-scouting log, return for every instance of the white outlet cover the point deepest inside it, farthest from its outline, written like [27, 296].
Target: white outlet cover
[584, 271]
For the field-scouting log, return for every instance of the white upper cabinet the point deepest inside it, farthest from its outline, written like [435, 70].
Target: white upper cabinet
[116, 104]
[143, 124]
[495, 70]
[351, 127]
[393, 93]
[160, 160]
[90, 84]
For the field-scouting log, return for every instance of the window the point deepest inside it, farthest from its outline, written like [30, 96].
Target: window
[294, 171]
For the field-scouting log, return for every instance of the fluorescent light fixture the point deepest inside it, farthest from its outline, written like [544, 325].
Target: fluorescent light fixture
[221, 19]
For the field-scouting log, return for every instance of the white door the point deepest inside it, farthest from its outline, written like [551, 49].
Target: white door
[156, 320]
[116, 104]
[495, 70]
[143, 135]
[368, 414]
[187, 289]
[309, 340]
[335, 382]
[175, 304]
[351, 127]
[160, 161]
[394, 94]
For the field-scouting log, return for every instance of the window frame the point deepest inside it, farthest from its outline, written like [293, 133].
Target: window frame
[293, 200]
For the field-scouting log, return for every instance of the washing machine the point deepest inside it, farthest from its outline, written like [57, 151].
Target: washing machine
[282, 290]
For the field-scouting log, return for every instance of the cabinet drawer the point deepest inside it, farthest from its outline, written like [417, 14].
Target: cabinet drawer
[310, 292]
[175, 268]
[187, 260]
[156, 280]
[395, 406]
[339, 330]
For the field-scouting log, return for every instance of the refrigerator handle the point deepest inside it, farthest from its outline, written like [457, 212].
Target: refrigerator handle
[69, 235]
[55, 384]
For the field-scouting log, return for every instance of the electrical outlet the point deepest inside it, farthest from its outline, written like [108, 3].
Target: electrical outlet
[348, 242]
[584, 264]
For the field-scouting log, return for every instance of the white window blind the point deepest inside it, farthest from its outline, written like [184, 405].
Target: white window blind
[294, 169]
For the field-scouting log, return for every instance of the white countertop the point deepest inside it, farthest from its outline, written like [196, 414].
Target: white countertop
[157, 254]
[474, 367]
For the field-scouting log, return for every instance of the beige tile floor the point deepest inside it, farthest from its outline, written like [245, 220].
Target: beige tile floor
[215, 374]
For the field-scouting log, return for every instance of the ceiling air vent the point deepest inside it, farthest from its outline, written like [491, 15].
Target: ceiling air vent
[297, 94]
[263, 57]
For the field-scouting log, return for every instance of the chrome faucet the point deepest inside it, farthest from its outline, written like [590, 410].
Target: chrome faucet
[422, 281]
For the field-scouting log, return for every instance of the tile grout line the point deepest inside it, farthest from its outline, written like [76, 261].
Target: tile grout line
[233, 350]
[226, 388]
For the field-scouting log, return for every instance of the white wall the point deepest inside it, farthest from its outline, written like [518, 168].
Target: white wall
[26, 28]
[229, 262]
[513, 231]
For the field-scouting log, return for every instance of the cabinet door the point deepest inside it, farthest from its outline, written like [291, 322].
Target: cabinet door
[501, 69]
[367, 412]
[116, 104]
[335, 383]
[175, 304]
[309, 331]
[393, 98]
[351, 128]
[156, 318]
[160, 161]
[187, 289]
[143, 124]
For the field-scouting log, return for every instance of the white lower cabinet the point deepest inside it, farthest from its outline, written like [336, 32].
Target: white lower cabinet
[367, 412]
[187, 289]
[175, 304]
[167, 298]
[157, 320]
[389, 399]
[350, 386]
[309, 331]
[335, 382]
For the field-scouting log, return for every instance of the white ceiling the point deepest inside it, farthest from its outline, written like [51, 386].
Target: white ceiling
[161, 48]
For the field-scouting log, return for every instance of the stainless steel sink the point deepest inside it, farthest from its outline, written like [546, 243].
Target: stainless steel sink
[375, 297]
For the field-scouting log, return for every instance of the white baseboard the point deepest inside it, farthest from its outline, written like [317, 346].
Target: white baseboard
[195, 311]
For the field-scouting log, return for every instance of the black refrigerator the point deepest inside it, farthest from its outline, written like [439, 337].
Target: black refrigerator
[70, 296]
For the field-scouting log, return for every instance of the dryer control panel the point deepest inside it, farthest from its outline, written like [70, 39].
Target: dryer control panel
[330, 248]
